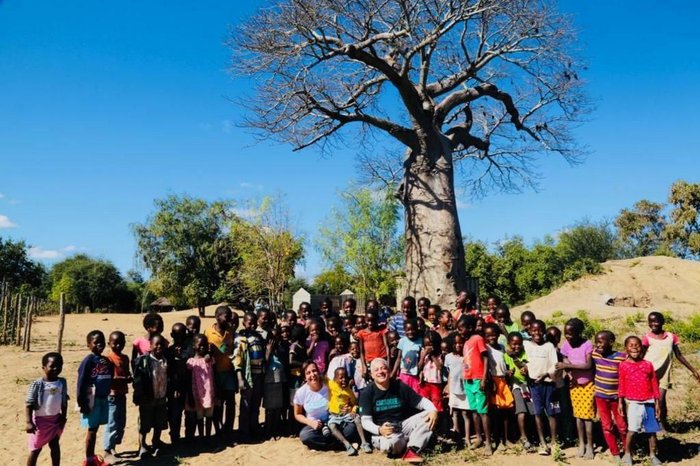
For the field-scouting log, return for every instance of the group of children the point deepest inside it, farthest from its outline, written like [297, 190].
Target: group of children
[481, 372]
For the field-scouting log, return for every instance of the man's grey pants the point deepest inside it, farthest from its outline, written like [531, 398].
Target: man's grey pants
[414, 433]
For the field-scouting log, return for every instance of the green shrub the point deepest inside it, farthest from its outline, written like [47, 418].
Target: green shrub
[591, 326]
[633, 319]
[688, 330]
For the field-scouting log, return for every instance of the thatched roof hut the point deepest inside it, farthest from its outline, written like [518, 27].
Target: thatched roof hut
[161, 305]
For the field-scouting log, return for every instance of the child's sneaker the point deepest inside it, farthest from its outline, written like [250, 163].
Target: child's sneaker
[412, 457]
[350, 450]
[366, 447]
[655, 461]
[326, 431]
[627, 459]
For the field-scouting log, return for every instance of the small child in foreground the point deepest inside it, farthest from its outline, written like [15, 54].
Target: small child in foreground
[607, 366]
[201, 365]
[116, 421]
[94, 384]
[150, 394]
[342, 407]
[639, 392]
[47, 404]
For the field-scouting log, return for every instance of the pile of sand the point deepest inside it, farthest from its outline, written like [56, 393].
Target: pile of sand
[627, 287]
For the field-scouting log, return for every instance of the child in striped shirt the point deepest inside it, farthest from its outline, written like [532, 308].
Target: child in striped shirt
[607, 365]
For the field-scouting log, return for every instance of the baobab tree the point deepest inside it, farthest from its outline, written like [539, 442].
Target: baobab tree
[481, 86]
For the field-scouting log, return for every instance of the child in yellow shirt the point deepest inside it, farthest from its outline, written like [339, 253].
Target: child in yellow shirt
[342, 407]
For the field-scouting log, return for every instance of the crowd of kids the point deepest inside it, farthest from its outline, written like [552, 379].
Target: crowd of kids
[491, 379]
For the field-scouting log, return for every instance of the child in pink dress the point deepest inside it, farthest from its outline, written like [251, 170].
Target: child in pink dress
[202, 367]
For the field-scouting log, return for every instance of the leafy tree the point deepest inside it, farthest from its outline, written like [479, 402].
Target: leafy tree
[186, 246]
[361, 238]
[87, 282]
[332, 281]
[683, 232]
[480, 263]
[269, 250]
[485, 85]
[641, 229]
[587, 240]
[17, 269]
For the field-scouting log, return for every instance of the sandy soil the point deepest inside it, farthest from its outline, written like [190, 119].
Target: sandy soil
[19, 368]
[633, 285]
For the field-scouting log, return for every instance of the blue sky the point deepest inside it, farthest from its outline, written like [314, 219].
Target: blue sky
[106, 106]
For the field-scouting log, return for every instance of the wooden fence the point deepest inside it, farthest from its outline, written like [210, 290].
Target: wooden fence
[17, 311]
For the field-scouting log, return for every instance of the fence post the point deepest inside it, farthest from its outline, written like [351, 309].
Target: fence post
[18, 328]
[4, 304]
[28, 323]
[61, 322]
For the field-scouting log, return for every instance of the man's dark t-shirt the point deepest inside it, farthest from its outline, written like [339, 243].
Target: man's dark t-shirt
[391, 405]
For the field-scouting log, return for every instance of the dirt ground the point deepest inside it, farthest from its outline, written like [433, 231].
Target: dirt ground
[19, 368]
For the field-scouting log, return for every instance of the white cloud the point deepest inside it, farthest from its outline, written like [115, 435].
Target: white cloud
[70, 248]
[463, 205]
[246, 185]
[246, 213]
[1, 195]
[5, 222]
[37, 252]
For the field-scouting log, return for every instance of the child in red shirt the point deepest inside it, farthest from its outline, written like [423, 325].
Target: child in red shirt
[639, 390]
[475, 375]
[373, 339]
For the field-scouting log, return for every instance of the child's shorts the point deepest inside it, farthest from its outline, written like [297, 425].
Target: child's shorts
[153, 416]
[458, 401]
[411, 380]
[225, 381]
[582, 401]
[341, 419]
[501, 397]
[641, 417]
[98, 416]
[475, 396]
[433, 392]
[544, 398]
[204, 412]
[522, 404]
[47, 429]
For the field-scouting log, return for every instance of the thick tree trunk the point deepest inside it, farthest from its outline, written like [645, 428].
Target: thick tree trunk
[435, 265]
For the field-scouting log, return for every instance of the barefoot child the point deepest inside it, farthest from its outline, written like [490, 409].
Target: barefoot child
[221, 338]
[150, 395]
[116, 422]
[475, 375]
[455, 385]
[578, 359]
[661, 346]
[639, 392]
[201, 366]
[342, 407]
[47, 404]
[607, 365]
[516, 362]
[500, 396]
[430, 369]
[94, 384]
[541, 372]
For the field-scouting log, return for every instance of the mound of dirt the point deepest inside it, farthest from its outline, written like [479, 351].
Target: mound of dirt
[627, 287]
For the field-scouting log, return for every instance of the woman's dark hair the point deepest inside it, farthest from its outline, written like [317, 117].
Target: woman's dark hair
[576, 325]
[306, 364]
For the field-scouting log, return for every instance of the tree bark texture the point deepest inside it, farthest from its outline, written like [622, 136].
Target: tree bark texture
[435, 266]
